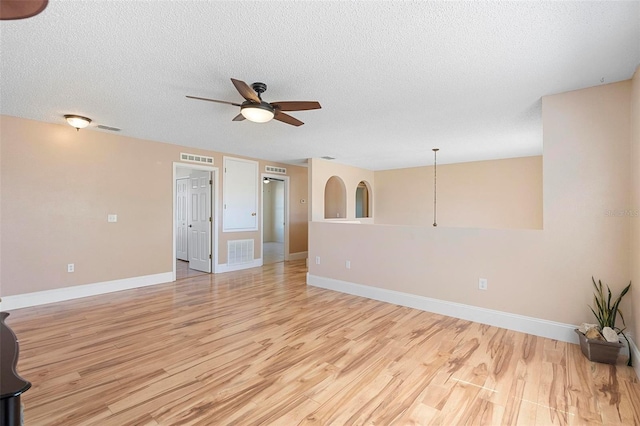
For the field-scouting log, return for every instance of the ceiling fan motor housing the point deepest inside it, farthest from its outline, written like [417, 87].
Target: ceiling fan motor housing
[262, 105]
[259, 88]
[261, 112]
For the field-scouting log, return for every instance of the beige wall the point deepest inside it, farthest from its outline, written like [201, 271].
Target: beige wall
[298, 208]
[482, 194]
[586, 176]
[634, 250]
[322, 171]
[297, 220]
[59, 185]
[539, 273]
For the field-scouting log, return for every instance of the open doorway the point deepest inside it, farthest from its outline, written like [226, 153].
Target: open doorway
[194, 218]
[274, 218]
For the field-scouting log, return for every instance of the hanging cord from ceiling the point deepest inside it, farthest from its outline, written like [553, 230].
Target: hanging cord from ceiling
[435, 187]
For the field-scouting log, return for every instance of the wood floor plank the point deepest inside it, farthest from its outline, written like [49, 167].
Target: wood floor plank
[260, 347]
[553, 407]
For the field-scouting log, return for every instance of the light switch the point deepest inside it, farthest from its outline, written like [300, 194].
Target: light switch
[112, 218]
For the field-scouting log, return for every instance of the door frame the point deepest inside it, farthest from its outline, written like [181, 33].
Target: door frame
[176, 209]
[214, 211]
[286, 214]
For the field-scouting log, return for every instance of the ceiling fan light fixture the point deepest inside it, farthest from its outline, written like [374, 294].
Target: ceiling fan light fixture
[258, 113]
[77, 121]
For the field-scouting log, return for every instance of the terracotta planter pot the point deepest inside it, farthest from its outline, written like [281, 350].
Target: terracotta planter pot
[599, 350]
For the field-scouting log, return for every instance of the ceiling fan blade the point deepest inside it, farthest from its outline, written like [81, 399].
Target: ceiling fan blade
[213, 100]
[246, 91]
[238, 117]
[296, 105]
[286, 118]
[21, 9]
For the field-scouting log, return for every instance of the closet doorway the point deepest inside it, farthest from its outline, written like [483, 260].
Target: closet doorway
[194, 220]
[275, 230]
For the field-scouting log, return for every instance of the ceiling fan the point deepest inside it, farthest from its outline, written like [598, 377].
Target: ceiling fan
[256, 110]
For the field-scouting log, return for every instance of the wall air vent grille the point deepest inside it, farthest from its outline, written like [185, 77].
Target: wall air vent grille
[194, 158]
[239, 251]
[274, 169]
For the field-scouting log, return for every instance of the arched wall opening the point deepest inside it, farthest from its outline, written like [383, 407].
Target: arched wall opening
[335, 198]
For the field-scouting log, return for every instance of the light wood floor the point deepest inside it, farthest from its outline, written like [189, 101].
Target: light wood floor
[183, 270]
[272, 252]
[259, 347]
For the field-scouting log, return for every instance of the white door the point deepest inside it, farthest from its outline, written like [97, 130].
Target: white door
[200, 220]
[240, 211]
[182, 236]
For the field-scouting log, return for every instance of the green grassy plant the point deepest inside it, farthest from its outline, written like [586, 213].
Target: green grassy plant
[606, 309]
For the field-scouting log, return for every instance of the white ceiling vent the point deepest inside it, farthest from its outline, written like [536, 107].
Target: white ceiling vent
[112, 129]
[193, 158]
[274, 169]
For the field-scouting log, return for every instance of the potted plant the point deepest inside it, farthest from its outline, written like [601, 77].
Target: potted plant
[601, 342]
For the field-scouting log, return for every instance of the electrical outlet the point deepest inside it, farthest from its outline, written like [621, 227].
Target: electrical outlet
[482, 283]
[347, 264]
[317, 260]
[71, 267]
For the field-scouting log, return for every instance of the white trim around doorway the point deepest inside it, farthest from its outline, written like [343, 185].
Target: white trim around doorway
[286, 180]
[214, 207]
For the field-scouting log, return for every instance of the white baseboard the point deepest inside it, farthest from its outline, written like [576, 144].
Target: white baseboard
[635, 356]
[223, 267]
[298, 256]
[524, 324]
[75, 292]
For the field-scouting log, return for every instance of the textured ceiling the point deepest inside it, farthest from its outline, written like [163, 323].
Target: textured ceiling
[395, 79]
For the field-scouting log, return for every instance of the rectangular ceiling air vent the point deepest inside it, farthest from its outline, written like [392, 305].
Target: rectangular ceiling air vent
[274, 169]
[103, 127]
[326, 157]
[194, 158]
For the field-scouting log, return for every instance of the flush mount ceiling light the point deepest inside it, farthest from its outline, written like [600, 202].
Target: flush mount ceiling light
[266, 180]
[77, 121]
[258, 113]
